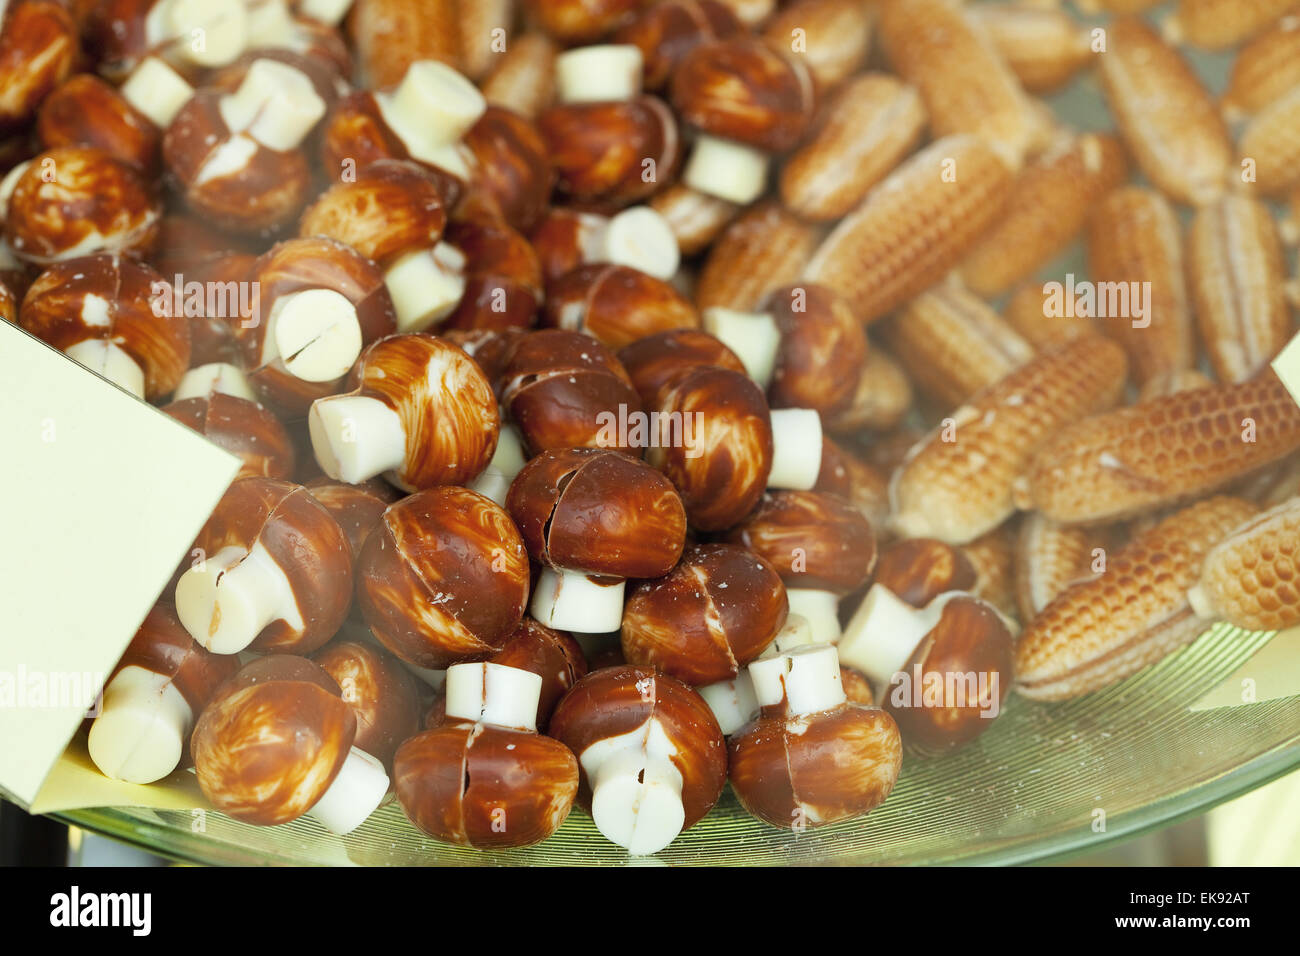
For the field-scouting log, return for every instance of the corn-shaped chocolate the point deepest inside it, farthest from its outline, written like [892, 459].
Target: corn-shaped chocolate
[914, 226]
[957, 483]
[1263, 70]
[1162, 452]
[883, 397]
[1027, 311]
[1252, 577]
[1133, 614]
[1135, 256]
[953, 344]
[967, 86]
[1049, 558]
[993, 556]
[1220, 24]
[1238, 281]
[1164, 113]
[1269, 146]
[1172, 382]
[764, 249]
[1044, 46]
[1049, 205]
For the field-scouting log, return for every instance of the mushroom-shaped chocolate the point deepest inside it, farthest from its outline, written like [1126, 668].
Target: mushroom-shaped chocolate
[722, 463]
[77, 201]
[665, 32]
[942, 670]
[594, 518]
[274, 572]
[552, 655]
[485, 778]
[38, 49]
[394, 213]
[918, 570]
[381, 693]
[616, 305]
[616, 152]
[707, 618]
[748, 101]
[423, 118]
[276, 742]
[820, 544]
[244, 428]
[235, 156]
[512, 165]
[812, 758]
[316, 305]
[444, 578]
[124, 31]
[114, 316]
[653, 758]
[420, 412]
[866, 486]
[357, 508]
[637, 237]
[150, 702]
[654, 361]
[502, 277]
[564, 390]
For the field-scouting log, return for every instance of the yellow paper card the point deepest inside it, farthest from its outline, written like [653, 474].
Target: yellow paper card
[100, 496]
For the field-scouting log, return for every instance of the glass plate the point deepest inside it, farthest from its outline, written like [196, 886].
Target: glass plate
[1044, 781]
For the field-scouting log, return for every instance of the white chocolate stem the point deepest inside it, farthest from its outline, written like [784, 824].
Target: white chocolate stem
[229, 599]
[276, 105]
[157, 91]
[207, 33]
[753, 336]
[426, 286]
[108, 360]
[315, 333]
[638, 237]
[435, 678]
[599, 73]
[330, 12]
[1202, 604]
[507, 461]
[431, 109]
[356, 437]
[216, 378]
[9, 184]
[726, 170]
[796, 449]
[732, 701]
[355, 793]
[571, 601]
[636, 801]
[139, 735]
[806, 679]
[494, 694]
[884, 633]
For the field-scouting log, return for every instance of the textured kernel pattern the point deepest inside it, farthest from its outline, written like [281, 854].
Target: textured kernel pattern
[1044, 46]
[1162, 452]
[957, 483]
[1271, 140]
[1048, 207]
[993, 556]
[966, 84]
[763, 250]
[1026, 312]
[1252, 578]
[1101, 630]
[1135, 237]
[1164, 113]
[1263, 70]
[1049, 557]
[1219, 24]
[1237, 274]
[913, 227]
[952, 344]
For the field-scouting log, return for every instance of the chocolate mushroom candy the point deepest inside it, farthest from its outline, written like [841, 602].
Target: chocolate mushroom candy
[565, 390]
[381, 693]
[747, 101]
[812, 758]
[502, 277]
[394, 212]
[512, 166]
[942, 670]
[38, 51]
[276, 742]
[721, 453]
[125, 31]
[214, 378]
[652, 756]
[665, 32]
[654, 361]
[918, 570]
[274, 27]
[865, 485]
[822, 547]
[593, 518]
[616, 305]
[420, 412]
[328, 12]
[486, 778]
[316, 304]
[274, 572]
[242, 427]
[444, 578]
[77, 201]
[615, 153]
[581, 21]
[707, 618]
[357, 508]
[114, 316]
[152, 699]
[637, 237]
[732, 700]
[507, 461]
[235, 156]
[554, 656]
[424, 118]
[8, 303]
